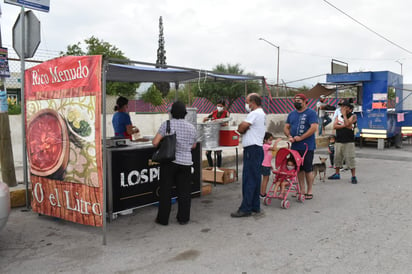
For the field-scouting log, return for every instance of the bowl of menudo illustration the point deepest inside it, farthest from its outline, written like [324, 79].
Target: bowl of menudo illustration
[48, 144]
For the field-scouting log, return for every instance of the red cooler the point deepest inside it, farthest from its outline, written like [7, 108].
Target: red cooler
[228, 136]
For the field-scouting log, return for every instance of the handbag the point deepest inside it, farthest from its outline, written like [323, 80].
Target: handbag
[166, 151]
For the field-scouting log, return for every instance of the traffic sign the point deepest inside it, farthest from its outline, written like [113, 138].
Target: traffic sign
[41, 5]
[31, 35]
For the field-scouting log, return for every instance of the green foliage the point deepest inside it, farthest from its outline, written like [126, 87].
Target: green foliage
[14, 109]
[225, 89]
[95, 46]
[153, 96]
[303, 89]
[163, 87]
[391, 93]
[184, 95]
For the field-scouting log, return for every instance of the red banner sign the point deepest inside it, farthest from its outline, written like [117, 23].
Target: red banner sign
[379, 105]
[63, 118]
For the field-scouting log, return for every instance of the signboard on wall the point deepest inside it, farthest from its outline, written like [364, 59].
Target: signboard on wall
[379, 105]
[338, 67]
[63, 121]
[4, 63]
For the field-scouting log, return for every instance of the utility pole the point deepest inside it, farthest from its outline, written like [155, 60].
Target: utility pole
[8, 173]
[277, 70]
[397, 61]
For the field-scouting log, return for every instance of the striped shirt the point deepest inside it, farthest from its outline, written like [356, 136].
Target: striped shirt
[185, 138]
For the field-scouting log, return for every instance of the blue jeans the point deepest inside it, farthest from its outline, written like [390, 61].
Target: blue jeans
[323, 122]
[252, 161]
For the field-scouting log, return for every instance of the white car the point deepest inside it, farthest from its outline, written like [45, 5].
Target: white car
[4, 204]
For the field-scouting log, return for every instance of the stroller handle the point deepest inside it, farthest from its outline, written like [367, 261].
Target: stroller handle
[306, 150]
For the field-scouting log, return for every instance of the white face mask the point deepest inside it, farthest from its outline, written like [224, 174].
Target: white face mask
[290, 167]
[219, 109]
[247, 107]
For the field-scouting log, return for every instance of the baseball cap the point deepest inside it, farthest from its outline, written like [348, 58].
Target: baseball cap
[300, 96]
[346, 103]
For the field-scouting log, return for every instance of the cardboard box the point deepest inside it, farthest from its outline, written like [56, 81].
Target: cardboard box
[206, 189]
[223, 175]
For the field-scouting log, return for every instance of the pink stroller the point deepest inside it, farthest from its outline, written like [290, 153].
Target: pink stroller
[288, 176]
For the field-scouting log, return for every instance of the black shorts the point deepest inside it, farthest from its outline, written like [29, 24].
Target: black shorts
[308, 161]
[266, 170]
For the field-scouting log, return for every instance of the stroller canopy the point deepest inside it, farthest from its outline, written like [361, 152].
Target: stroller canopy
[283, 154]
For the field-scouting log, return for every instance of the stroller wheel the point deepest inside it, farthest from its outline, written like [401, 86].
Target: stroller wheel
[285, 204]
[301, 198]
[267, 201]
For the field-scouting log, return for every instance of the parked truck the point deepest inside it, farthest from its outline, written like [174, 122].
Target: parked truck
[380, 118]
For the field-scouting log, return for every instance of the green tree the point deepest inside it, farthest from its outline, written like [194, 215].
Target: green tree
[153, 96]
[164, 87]
[184, 95]
[95, 46]
[225, 89]
[391, 93]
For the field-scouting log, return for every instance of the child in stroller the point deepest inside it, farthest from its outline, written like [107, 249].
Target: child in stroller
[282, 181]
[286, 177]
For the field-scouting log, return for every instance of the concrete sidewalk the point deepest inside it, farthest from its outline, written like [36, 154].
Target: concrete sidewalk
[363, 228]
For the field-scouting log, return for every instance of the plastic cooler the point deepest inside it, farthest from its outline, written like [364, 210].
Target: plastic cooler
[228, 136]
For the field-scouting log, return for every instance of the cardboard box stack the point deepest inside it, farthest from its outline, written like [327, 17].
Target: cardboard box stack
[223, 175]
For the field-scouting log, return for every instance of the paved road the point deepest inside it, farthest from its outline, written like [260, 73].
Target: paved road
[363, 228]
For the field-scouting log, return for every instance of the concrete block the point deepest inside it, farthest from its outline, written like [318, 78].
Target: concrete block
[18, 196]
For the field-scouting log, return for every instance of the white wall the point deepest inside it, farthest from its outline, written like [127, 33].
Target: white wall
[147, 123]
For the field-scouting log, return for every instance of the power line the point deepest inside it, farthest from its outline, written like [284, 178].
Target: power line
[368, 28]
[307, 78]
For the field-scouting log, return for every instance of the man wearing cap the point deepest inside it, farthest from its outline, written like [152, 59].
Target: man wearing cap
[324, 119]
[301, 125]
[345, 141]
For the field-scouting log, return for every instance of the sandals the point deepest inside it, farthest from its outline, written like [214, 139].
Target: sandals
[308, 196]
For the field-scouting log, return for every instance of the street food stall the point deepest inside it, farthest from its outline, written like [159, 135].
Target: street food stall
[119, 159]
[77, 172]
[377, 119]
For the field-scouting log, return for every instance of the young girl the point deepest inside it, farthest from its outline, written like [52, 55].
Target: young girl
[291, 166]
[268, 149]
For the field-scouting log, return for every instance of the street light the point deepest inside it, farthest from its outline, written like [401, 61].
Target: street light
[397, 61]
[277, 77]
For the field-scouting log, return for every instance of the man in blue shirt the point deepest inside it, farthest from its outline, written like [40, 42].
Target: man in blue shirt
[300, 129]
